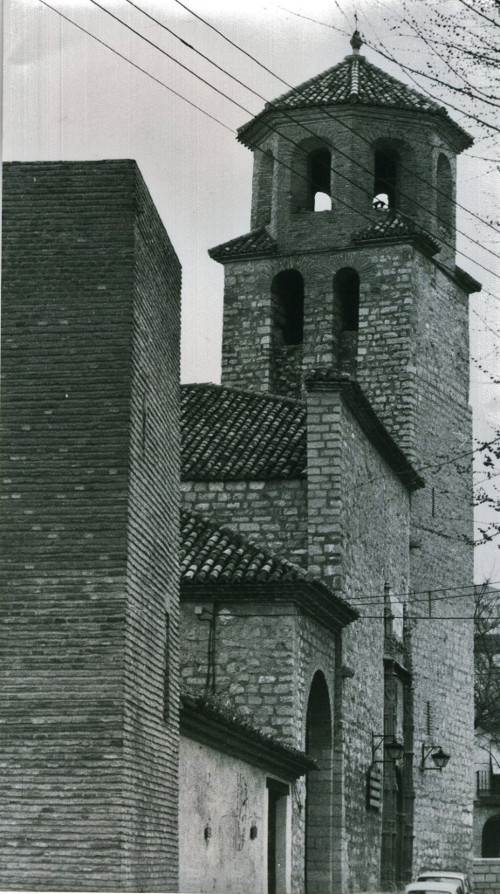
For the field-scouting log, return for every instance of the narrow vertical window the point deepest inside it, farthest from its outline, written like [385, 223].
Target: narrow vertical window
[166, 670]
[346, 291]
[385, 181]
[320, 195]
[288, 300]
[444, 185]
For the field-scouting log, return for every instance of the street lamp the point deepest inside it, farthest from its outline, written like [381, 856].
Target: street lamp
[393, 748]
[439, 757]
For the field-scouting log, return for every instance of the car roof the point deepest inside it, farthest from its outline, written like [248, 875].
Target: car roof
[449, 873]
[438, 887]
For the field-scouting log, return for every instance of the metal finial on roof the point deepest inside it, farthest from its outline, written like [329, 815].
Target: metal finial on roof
[356, 41]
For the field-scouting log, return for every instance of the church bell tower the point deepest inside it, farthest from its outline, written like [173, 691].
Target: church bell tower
[349, 272]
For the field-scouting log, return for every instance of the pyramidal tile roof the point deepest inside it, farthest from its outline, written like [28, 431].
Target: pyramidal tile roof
[257, 242]
[228, 434]
[211, 554]
[396, 227]
[354, 80]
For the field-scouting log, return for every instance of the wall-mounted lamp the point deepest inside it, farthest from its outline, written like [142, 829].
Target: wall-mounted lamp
[207, 833]
[393, 748]
[439, 757]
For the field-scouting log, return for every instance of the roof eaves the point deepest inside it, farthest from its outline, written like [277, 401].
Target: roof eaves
[311, 597]
[258, 243]
[207, 722]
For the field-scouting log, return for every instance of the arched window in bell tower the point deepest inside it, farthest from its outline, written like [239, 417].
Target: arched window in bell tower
[287, 290]
[287, 295]
[320, 193]
[386, 162]
[444, 199]
[311, 177]
[346, 300]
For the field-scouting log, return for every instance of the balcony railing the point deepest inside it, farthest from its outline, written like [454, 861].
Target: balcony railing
[488, 784]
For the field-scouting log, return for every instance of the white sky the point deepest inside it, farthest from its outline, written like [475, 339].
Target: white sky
[67, 97]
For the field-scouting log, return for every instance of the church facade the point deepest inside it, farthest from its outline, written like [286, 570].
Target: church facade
[309, 645]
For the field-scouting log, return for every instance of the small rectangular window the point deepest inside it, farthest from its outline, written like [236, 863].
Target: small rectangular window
[166, 672]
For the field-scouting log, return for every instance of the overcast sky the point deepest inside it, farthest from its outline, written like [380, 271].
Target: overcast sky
[68, 97]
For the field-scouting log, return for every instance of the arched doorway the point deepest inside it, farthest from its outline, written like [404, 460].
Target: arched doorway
[319, 789]
[490, 839]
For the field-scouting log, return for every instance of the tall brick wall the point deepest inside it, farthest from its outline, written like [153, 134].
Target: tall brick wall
[80, 299]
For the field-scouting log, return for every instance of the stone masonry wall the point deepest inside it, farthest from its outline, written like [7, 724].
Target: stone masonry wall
[442, 557]
[486, 876]
[272, 513]
[67, 367]
[266, 658]
[358, 528]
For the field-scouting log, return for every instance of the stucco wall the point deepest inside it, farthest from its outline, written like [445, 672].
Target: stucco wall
[227, 796]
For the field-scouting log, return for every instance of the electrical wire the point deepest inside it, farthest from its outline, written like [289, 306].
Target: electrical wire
[138, 67]
[229, 99]
[120, 55]
[290, 87]
[294, 120]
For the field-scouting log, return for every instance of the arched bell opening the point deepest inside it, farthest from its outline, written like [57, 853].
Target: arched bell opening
[287, 294]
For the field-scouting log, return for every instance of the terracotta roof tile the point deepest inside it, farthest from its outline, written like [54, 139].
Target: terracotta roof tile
[233, 435]
[354, 80]
[396, 227]
[256, 242]
[212, 554]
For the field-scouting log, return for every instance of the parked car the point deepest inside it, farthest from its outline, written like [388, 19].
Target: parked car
[445, 875]
[431, 887]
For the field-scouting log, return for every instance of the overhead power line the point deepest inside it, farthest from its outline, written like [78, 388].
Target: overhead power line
[138, 67]
[273, 130]
[234, 102]
[290, 87]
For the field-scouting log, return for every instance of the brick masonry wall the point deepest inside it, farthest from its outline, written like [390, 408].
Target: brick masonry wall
[150, 740]
[272, 513]
[486, 876]
[69, 365]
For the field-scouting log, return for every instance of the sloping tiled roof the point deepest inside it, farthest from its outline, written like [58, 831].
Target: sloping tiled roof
[396, 227]
[227, 566]
[257, 242]
[213, 554]
[233, 435]
[354, 80]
